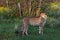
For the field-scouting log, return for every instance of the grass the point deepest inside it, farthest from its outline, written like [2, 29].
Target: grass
[7, 33]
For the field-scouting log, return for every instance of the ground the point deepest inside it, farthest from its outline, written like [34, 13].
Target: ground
[7, 33]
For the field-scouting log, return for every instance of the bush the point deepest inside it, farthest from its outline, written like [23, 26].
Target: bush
[53, 12]
[7, 13]
[52, 22]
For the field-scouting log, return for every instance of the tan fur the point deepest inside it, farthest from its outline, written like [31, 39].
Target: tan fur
[39, 21]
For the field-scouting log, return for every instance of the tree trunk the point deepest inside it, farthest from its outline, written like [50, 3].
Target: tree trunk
[7, 3]
[25, 7]
[19, 8]
[29, 6]
[39, 7]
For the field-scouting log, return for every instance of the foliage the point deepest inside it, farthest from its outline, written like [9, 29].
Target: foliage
[53, 12]
[52, 22]
[4, 10]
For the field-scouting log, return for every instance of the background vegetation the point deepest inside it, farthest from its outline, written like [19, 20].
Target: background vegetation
[12, 11]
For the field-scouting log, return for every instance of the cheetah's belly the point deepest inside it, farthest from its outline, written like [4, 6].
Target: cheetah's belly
[34, 22]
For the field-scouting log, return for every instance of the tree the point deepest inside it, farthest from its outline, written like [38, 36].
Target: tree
[25, 7]
[29, 6]
[7, 2]
[19, 7]
[39, 7]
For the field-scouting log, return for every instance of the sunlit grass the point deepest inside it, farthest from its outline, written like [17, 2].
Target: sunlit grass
[55, 5]
[4, 9]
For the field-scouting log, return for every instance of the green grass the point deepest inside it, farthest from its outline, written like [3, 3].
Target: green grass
[7, 33]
